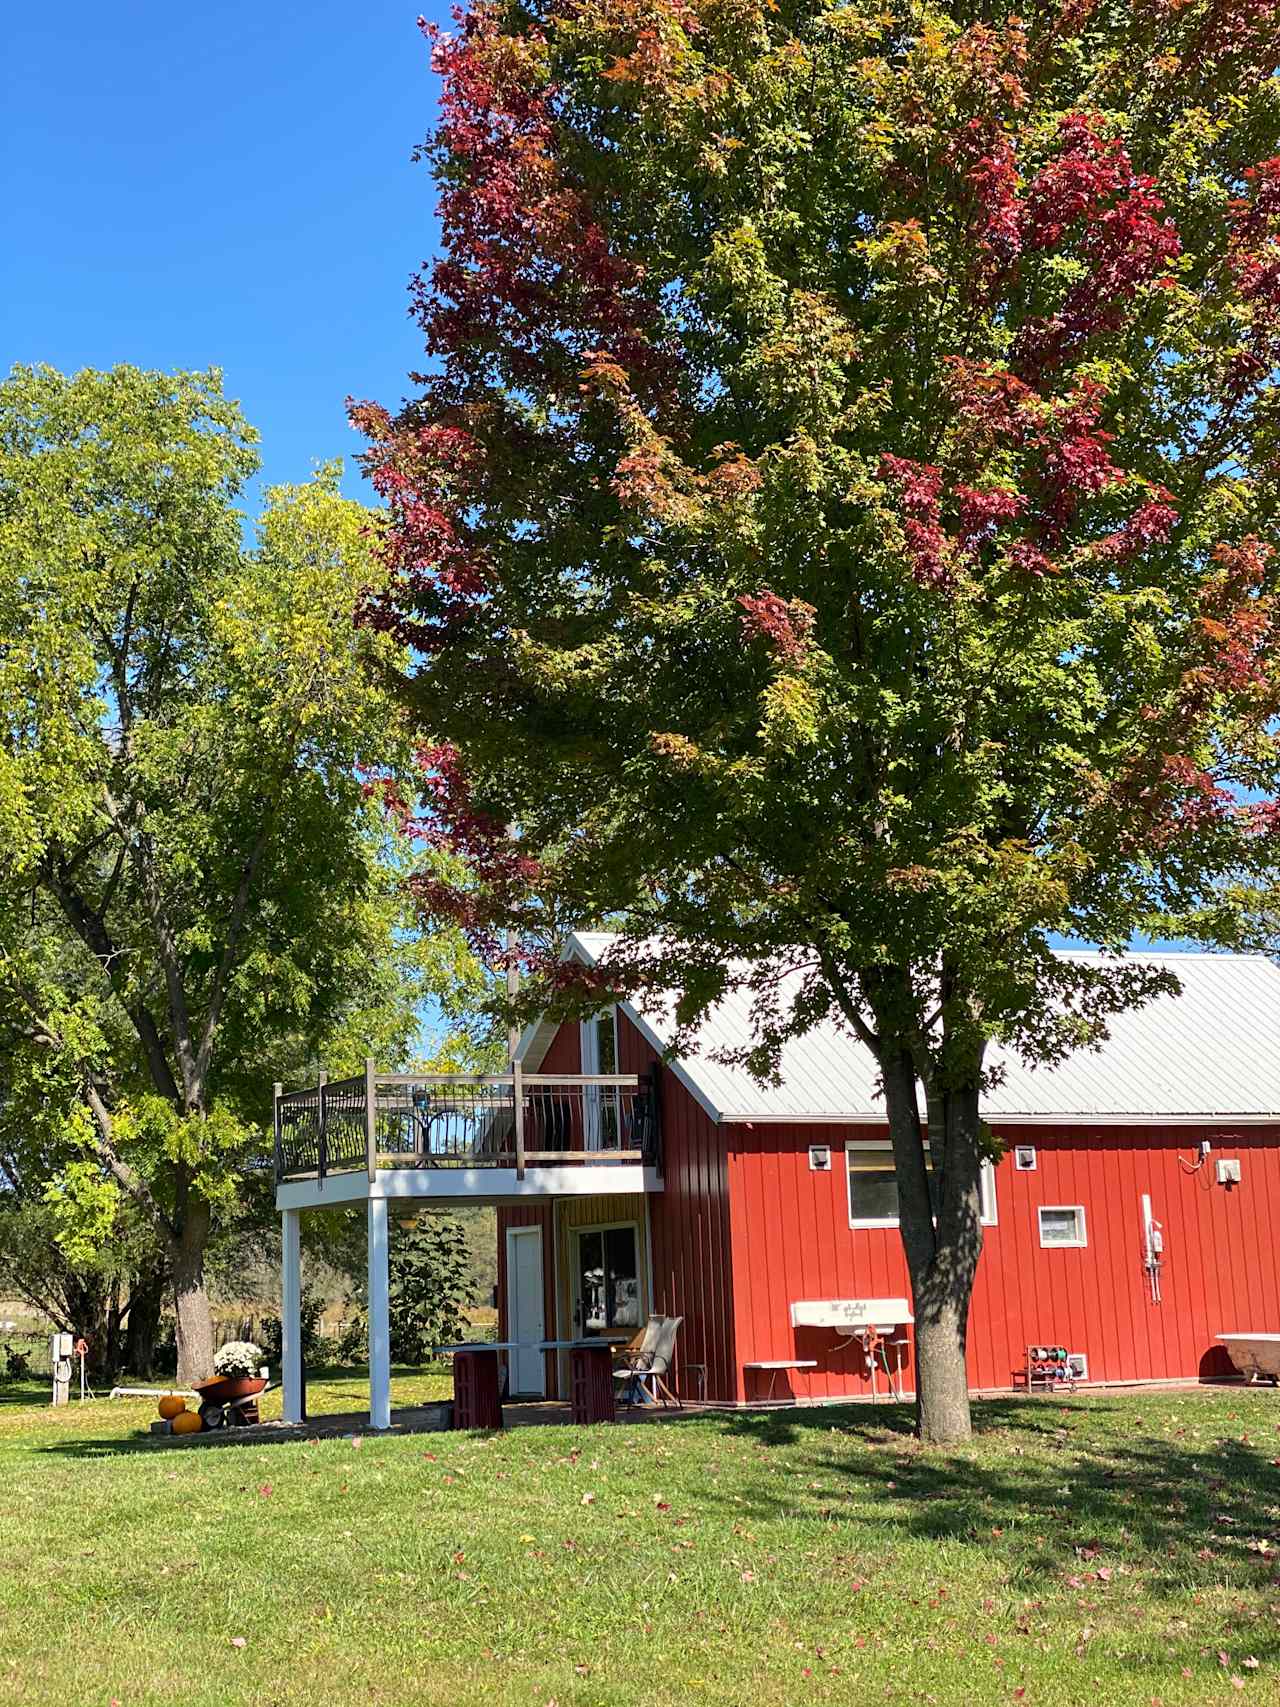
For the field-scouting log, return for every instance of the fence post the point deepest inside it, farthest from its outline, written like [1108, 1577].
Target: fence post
[322, 1141]
[371, 1116]
[517, 1095]
[277, 1091]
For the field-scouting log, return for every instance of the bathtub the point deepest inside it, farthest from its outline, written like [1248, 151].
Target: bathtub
[1254, 1355]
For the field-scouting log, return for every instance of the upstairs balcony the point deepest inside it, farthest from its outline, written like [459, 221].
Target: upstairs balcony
[493, 1137]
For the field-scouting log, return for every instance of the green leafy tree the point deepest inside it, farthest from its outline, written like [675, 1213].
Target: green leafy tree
[838, 523]
[428, 1265]
[428, 1279]
[198, 894]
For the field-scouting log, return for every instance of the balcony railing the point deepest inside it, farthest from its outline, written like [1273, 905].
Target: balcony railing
[447, 1120]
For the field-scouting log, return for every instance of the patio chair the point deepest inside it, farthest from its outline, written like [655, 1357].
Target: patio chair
[642, 1368]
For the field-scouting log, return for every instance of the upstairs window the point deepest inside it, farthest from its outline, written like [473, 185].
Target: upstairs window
[602, 1113]
[873, 1185]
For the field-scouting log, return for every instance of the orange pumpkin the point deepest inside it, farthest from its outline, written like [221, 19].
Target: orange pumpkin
[171, 1406]
[187, 1422]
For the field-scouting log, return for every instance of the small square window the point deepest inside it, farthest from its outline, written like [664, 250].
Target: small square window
[820, 1158]
[1024, 1158]
[1062, 1225]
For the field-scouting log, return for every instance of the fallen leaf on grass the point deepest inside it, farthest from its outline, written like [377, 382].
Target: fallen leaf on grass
[237, 1641]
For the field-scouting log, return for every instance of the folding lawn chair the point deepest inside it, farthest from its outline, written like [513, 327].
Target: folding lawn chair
[642, 1368]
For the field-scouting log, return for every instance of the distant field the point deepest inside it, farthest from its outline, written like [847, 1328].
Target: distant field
[1109, 1549]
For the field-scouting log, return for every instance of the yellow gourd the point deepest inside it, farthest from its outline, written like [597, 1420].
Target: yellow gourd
[187, 1422]
[171, 1406]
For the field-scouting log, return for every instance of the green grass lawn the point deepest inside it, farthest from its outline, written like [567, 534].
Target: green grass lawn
[1109, 1549]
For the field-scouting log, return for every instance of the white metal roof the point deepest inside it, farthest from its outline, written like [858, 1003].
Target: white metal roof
[1212, 1051]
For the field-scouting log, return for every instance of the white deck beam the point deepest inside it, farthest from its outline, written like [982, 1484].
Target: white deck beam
[379, 1289]
[291, 1314]
[452, 1186]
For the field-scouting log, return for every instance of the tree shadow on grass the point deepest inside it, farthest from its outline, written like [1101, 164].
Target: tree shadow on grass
[1069, 1494]
[30, 1390]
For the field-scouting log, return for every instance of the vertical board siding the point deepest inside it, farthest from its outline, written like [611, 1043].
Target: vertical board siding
[791, 1240]
[688, 1235]
[689, 1230]
[743, 1227]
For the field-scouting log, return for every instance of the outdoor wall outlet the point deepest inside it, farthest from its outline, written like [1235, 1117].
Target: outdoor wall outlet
[1228, 1170]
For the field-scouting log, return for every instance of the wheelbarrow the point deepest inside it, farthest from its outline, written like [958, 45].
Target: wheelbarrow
[230, 1401]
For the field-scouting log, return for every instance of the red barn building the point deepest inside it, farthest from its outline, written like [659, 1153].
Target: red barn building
[1129, 1219]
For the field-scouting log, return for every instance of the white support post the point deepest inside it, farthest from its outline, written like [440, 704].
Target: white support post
[379, 1317]
[291, 1313]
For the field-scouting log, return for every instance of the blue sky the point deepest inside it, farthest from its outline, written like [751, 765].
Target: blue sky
[221, 186]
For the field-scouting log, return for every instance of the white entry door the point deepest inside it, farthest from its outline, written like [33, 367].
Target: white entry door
[526, 1317]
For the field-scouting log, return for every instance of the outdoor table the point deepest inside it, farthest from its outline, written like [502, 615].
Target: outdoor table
[775, 1365]
[590, 1378]
[477, 1402]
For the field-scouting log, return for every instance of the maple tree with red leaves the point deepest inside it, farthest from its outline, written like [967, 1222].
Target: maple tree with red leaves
[837, 529]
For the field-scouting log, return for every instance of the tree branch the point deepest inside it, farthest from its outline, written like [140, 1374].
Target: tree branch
[93, 933]
[125, 1177]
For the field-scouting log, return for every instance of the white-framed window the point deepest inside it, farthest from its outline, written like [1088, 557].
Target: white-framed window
[873, 1184]
[1062, 1225]
[601, 1112]
[606, 1279]
[1024, 1158]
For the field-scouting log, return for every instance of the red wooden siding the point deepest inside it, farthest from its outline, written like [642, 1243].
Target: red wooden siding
[792, 1240]
[689, 1230]
[689, 1244]
[743, 1228]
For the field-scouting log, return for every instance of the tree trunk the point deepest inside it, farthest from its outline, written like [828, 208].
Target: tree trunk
[109, 1362]
[942, 1249]
[942, 1382]
[146, 1298]
[190, 1297]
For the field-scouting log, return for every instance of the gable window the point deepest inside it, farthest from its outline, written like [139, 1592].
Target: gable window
[873, 1185]
[1062, 1224]
[601, 1113]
